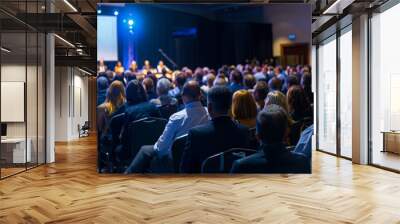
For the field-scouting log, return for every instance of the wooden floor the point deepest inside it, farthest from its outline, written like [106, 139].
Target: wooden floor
[70, 191]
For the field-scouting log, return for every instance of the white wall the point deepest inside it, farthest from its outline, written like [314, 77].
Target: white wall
[71, 102]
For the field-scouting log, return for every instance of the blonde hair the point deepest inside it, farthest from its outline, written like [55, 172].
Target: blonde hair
[115, 97]
[243, 105]
[277, 98]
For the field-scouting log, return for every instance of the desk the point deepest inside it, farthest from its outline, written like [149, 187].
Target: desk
[13, 150]
[391, 141]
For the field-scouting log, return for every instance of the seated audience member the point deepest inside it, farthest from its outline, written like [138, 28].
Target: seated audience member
[210, 78]
[113, 105]
[272, 126]
[119, 76]
[277, 98]
[244, 108]
[306, 84]
[305, 142]
[137, 106]
[260, 74]
[275, 84]
[148, 85]
[217, 135]
[129, 76]
[180, 80]
[236, 81]
[119, 69]
[163, 86]
[299, 107]
[260, 92]
[102, 85]
[249, 81]
[110, 75]
[198, 75]
[220, 80]
[158, 157]
[292, 80]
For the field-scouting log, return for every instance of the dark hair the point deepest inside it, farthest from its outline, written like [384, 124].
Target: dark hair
[249, 81]
[180, 79]
[275, 84]
[192, 90]
[260, 90]
[292, 80]
[272, 124]
[148, 84]
[220, 98]
[102, 83]
[297, 101]
[236, 77]
[306, 83]
[135, 93]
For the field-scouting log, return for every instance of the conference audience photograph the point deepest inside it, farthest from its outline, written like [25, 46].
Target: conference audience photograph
[179, 101]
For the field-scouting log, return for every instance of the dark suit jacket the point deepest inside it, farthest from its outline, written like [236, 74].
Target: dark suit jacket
[218, 135]
[277, 160]
[141, 110]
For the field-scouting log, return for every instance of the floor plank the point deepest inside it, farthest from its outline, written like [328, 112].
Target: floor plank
[71, 191]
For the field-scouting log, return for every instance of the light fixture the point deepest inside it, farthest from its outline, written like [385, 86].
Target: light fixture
[70, 5]
[5, 50]
[86, 72]
[99, 11]
[130, 22]
[64, 40]
[116, 13]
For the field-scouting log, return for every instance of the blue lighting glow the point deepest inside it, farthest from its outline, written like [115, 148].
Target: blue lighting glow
[130, 27]
[130, 22]
[116, 13]
[99, 11]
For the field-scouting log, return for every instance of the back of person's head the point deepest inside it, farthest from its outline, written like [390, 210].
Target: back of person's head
[297, 100]
[135, 93]
[292, 80]
[219, 100]
[115, 96]
[148, 84]
[236, 76]
[272, 124]
[102, 83]
[110, 75]
[191, 91]
[163, 86]
[306, 80]
[198, 74]
[243, 105]
[260, 90]
[180, 79]
[220, 81]
[277, 98]
[275, 84]
[249, 81]
[210, 79]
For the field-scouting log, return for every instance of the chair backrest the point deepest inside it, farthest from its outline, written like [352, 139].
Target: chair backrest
[253, 142]
[177, 150]
[116, 124]
[295, 132]
[168, 109]
[222, 162]
[141, 132]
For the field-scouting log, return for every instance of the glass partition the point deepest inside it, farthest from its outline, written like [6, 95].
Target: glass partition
[22, 91]
[385, 89]
[345, 57]
[326, 120]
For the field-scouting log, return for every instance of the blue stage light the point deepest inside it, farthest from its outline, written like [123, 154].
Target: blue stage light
[130, 27]
[124, 20]
[130, 22]
[116, 13]
[99, 11]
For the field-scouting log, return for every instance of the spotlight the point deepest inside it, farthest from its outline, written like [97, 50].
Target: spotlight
[124, 20]
[130, 27]
[130, 22]
[99, 11]
[116, 13]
